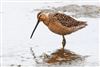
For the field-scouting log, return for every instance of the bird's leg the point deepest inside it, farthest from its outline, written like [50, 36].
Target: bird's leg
[63, 42]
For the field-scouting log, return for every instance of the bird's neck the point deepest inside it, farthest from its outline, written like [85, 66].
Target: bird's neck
[46, 22]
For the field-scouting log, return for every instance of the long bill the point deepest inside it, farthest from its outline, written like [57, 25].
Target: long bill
[34, 29]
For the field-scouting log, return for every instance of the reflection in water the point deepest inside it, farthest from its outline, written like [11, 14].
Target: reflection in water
[59, 57]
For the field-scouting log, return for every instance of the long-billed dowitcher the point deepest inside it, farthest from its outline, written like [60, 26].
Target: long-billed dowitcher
[59, 23]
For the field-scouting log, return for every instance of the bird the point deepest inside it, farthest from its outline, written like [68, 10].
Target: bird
[59, 23]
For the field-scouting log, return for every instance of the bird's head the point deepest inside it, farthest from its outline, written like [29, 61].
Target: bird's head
[41, 16]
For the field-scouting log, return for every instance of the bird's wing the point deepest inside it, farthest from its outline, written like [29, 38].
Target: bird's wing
[66, 20]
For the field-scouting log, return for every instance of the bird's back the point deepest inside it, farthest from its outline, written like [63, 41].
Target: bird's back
[68, 22]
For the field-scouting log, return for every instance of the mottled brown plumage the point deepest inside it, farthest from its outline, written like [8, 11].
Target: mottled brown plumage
[66, 20]
[68, 24]
[59, 23]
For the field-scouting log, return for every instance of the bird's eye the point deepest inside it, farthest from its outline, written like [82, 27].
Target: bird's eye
[39, 16]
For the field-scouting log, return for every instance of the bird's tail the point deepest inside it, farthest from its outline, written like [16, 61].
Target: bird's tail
[81, 25]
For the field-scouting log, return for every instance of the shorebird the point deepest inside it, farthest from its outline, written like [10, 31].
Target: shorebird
[59, 23]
